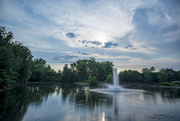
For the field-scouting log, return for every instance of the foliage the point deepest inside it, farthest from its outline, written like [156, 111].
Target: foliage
[17, 66]
[92, 80]
[15, 60]
[152, 69]
[147, 77]
[130, 76]
[43, 72]
[109, 79]
[68, 74]
[167, 83]
[82, 69]
[167, 75]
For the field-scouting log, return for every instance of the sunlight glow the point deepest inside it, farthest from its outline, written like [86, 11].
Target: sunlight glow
[102, 37]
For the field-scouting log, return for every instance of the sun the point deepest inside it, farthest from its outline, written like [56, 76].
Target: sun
[102, 37]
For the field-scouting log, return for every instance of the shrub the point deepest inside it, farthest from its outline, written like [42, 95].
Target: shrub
[92, 80]
[171, 84]
[109, 79]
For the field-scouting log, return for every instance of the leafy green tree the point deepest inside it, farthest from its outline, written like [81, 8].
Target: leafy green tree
[92, 80]
[108, 67]
[100, 72]
[81, 67]
[15, 59]
[152, 69]
[155, 77]
[130, 76]
[39, 66]
[7, 76]
[84, 68]
[68, 75]
[109, 79]
[149, 74]
[43, 72]
[23, 60]
[166, 75]
[177, 75]
[147, 77]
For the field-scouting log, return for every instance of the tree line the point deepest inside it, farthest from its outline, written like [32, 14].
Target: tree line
[149, 75]
[80, 71]
[87, 70]
[17, 65]
[15, 60]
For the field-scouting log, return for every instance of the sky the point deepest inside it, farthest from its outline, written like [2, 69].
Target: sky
[133, 34]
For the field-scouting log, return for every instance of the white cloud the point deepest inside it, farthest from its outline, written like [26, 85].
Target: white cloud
[43, 26]
[92, 23]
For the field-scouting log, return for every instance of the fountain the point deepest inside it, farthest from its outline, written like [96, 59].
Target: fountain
[115, 87]
[111, 88]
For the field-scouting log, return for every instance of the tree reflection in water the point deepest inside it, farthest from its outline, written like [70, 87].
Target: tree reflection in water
[60, 102]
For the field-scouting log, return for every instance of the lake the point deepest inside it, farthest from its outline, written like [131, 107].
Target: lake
[65, 102]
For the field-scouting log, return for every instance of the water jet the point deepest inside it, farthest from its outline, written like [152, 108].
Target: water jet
[115, 87]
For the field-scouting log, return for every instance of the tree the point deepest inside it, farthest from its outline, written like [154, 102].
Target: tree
[109, 79]
[92, 80]
[108, 67]
[152, 69]
[6, 67]
[23, 59]
[84, 68]
[81, 67]
[100, 71]
[130, 76]
[15, 59]
[177, 75]
[38, 69]
[166, 75]
[148, 77]
[43, 72]
[68, 75]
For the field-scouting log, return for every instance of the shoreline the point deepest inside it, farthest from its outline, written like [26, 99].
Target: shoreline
[149, 85]
[157, 85]
[139, 85]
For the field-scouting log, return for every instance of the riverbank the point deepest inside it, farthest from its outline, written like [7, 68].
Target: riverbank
[87, 84]
[137, 84]
[149, 85]
[13, 86]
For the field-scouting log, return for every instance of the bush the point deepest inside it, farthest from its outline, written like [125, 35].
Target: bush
[109, 79]
[171, 84]
[168, 83]
[176, 82]
[92, 80]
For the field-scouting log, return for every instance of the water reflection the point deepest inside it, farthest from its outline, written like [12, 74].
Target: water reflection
[61, 102]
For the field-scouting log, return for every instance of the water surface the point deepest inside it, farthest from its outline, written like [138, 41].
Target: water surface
[63, 102]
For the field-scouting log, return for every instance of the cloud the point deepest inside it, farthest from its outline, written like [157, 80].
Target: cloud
[109, 44]
[96, 43]
[70, 35]
[64, 57]
[130, 46]
[90, 42]
[137, 29]
[83, 53]
[66, 61]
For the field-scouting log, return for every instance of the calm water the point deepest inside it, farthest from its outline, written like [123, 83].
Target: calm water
[60, 102]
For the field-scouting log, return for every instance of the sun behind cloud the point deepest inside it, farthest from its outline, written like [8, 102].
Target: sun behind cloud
[102, 37]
